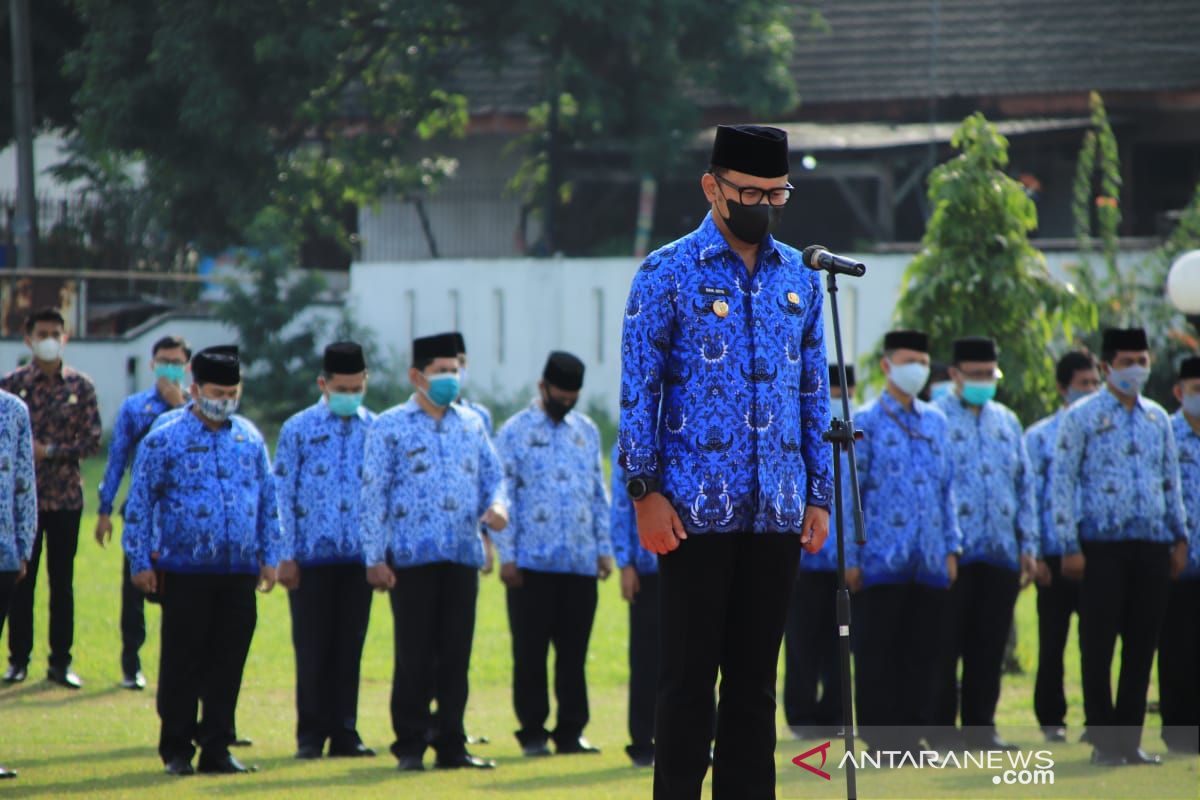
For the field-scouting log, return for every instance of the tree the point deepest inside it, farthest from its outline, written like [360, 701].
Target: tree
[977, 273]
[55, 31]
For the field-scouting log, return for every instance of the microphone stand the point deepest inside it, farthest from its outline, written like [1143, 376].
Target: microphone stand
[842, 435]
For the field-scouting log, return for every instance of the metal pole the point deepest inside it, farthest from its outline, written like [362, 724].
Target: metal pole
[26, 219]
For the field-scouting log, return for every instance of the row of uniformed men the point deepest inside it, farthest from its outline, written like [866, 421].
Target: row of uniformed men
[963, 509]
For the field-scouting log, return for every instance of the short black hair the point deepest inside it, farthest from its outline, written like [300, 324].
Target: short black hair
[1071, 362]
[47, 314]
[171, 343]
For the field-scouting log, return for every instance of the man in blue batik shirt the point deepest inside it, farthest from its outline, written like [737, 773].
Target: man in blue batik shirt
[1179, 644]
[18, 503]
[1118, 507]
[318, 477]
[169, 358]
[430, 476]
[551, 554]
[997, 514]
[812, 658]
[201, 532]
[910, 560]
[1057, 596]
[723, 407]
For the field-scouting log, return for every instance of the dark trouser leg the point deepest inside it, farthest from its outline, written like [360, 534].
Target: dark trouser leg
[1102, 599]
[571, 632]
[1147, 571]
[988, 621]
[959, 597]
[457, 591]
[879, 649]
[8, 580]
[531, 610]
[695, 583]
[62, 541]
[811, 621]
[314, 621]
[187, 614]
[1055, 604]
[1179, 666]
[764, 574]
[643, 664]
[415, 618]
[918, 682]
[20, 605]
[235, 616]
[133, 622]
[829, 661]
[352, 600]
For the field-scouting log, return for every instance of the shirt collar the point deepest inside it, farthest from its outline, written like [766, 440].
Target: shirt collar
[1114, 403]
[411, 406]
[711, 243]
[894, 406]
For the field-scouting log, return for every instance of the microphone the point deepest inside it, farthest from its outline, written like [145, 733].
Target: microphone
[817, 257]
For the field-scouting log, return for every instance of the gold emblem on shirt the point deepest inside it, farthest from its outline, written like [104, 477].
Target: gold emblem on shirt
[73, 399]
[793, 298]
[720, 308]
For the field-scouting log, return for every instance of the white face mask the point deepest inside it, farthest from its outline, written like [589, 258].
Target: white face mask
[909, 378]
[47, 350]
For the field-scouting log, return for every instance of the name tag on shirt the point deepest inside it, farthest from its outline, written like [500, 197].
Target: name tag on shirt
[714, 291]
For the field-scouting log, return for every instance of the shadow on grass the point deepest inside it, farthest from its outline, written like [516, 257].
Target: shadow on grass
[147, 752]
[48, 694]
[141, 779]
[272, 768]
[566, 780]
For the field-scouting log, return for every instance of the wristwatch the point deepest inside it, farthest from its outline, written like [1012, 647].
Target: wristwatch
[637, 488]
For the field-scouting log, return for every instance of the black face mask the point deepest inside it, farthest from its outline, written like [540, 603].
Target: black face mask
[557, 410]
[751, 224]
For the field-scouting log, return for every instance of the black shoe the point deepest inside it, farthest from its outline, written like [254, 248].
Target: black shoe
[7, 773]
[464, 761]
[15, 674]
[310, 752]
[179, 767]
[1100, 758]
[223, 765]
[241, 741]
[64, 677]
[1055, 733]
[410, 764]
[580, 745]
[134, 682]
[478, 740]
[1139, 757]
[640, 756]
[358, 750]
[536, 748]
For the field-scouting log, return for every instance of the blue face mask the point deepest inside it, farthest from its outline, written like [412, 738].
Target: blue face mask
[909, 378]
[443, 389]
[940, 389]
[344, 404]
[977, 393]
[1191, 405]
[1075, 395]
[172, 372]
[1129, 381]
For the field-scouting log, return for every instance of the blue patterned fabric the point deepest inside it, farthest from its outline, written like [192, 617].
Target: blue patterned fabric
[203, 499]
[622, 525]
[1041, 441]
[425, 485]
[481, 410]
[18, 484]
[1116, 474]
[825, 559]
[558, 520]
[168, 417]
[134, 418]
[1188, 443]
[318, 479]
[723, 384]
[994, 493]
[907, 482]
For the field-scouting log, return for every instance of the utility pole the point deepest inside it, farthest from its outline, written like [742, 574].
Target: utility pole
[26, 219]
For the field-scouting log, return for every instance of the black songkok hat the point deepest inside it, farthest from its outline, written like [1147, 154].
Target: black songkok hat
[1189, 368]
[344, 358]
[974, 348]
[1117, 339]
[752, 149]
[906, 340]
[219, 365]
[563, 371]
[427, 348]
[835, 378]
[460, 343]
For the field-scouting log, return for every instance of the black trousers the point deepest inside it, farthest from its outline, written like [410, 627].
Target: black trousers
[811, 655]
[133, 622]
[643, 664]
[724, 602]
[330, 611]
[207, 624]
[551, 608]
[978, 618]
[8, 580]
[433, 609]
[1124, 594]
[60, 532]
[902, 629]
[1055, 605]
[1179, 666]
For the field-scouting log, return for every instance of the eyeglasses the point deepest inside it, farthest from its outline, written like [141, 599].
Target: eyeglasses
[753, 195]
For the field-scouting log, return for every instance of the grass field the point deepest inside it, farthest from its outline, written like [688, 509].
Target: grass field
[101, 742]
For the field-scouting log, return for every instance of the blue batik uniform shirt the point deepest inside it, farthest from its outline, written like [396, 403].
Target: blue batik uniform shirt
[1188, 443]
[318, 478]
[1116, 474]
[426, 483]
[825, 559]
[18, 484]
[723, 384]
[479, 409]
[203, 499]
[995, 499]
[558, 520]
[622, 526]
[134, 418]
[907, 481]
[1041, 442]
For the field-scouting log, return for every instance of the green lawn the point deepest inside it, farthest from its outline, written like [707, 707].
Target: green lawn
[101, 742]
